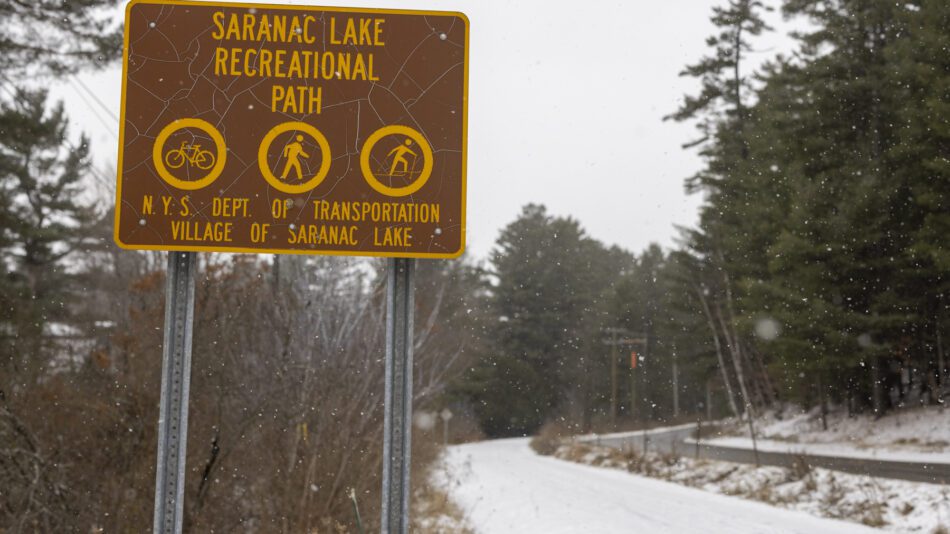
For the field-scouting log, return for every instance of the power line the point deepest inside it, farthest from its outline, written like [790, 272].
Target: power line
[96, 98]
[109, 127]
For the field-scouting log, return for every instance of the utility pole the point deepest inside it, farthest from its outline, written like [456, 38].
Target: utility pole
[633, 381]
[941, 365]
[613, 378]
[615, 341]
[676, 387]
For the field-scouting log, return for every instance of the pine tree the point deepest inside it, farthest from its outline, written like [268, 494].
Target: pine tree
[921, 69]
[731, 177]
[44, 216]
[51, 37]
[838, 262]
[548, 303]
[722, 101]
[638, 303]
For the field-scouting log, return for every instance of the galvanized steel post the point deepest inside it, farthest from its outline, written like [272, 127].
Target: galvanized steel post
[176, 379]
[398, 396]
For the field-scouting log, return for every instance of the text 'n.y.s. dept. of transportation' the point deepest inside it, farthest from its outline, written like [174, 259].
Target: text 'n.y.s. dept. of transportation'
[252, 128]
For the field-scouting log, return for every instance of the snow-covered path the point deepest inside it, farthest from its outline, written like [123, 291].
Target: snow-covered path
[503, 486]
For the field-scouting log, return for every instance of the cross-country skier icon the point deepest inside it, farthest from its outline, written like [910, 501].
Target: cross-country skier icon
[293, 151]
[401, 150]
[400, 158]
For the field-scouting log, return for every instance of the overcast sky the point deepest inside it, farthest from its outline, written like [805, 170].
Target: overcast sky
[566, 101]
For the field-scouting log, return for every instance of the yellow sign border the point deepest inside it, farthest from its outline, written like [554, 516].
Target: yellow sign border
[220, 157]
[324, 154]
[396, 129]
[379, 254]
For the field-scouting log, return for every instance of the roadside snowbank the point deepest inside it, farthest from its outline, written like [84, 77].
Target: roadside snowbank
[913, 435]
[924, 428]
[846, 450]
[896, 506]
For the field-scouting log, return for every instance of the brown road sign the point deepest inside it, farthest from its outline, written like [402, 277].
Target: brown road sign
[291, 129]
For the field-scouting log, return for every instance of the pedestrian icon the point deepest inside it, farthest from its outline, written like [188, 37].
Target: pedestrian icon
[400, 158]
[292, 152]
[300, 170]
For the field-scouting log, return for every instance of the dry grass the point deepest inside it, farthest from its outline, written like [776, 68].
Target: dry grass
[329, 526]
[798, 487]
[282, 422]
[433, 510]
[833, 494]
[550, 436]
[872, 509]
[800, 468]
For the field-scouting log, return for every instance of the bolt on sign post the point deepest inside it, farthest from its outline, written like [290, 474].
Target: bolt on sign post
[291, 129]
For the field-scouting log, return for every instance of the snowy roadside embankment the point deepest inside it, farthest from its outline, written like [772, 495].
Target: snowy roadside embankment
[839, 450]
[504, 487]
[919, 435]
[897, 506]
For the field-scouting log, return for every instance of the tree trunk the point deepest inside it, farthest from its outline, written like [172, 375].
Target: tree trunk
[736, 362]
[732, 337]
[722, 361]
[877, 389]
[770, 395]
[676, 388]
[737, 81]
[941, 363]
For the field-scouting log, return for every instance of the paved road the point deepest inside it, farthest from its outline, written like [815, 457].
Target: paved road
[503, 487]
[673, 441]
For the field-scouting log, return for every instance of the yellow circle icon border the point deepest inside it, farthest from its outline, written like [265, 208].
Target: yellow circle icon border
[265, 147]
[204, 126]
[396, 129]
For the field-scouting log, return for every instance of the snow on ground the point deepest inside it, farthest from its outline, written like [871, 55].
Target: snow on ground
[503, 486]
[895, 505]
[628, 433]
[926, 428]
[847, 450]
[915, 435]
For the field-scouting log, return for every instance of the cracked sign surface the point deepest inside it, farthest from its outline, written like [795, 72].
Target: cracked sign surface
[292, 129]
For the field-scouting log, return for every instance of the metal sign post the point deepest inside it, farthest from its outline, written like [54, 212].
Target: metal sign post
[397, 425]
[176, 379]
[288, 189]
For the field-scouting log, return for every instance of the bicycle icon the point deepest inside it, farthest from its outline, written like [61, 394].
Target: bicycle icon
[211, 161]
[192, 154]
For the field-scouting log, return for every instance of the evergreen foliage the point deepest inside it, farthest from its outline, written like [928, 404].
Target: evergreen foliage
[44, 217]
[818, 270]
[547, 302]
[825, 224]
[52, 37]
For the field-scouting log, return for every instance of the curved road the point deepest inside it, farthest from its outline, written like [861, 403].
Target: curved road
[504, 487]
[673, 440]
